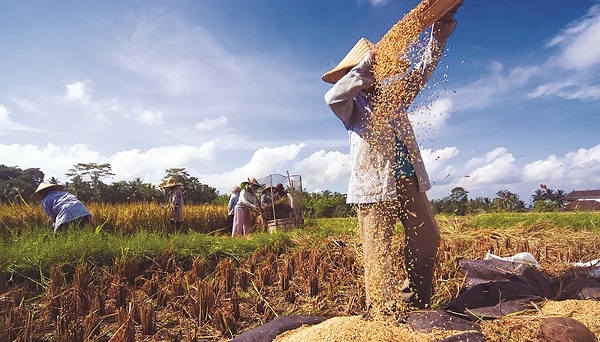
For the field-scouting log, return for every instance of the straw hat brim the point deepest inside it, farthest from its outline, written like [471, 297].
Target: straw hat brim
[171, 182]
[352, 58]
[171, 185]
[43, 188]
[254, 182]
[269, 189]
[251, 182]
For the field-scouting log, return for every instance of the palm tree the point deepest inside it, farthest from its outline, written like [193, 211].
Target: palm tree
[539, 195]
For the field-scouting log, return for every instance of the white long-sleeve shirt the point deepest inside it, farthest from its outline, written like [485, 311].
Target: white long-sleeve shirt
[247, 199]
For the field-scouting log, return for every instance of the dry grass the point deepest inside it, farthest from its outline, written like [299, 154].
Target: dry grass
[215, 299]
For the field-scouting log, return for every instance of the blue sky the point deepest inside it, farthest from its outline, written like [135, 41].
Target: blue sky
[232, 89]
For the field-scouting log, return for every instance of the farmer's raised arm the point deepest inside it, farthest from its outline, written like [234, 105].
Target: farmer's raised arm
[419, 76]
[340, 97]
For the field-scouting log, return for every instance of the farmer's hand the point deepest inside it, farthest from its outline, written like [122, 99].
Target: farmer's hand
[449, 16]
[446, 24]
[373, 52]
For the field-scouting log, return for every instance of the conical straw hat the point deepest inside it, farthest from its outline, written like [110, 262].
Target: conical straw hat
[356, 54]
[43, 188]
[171, 182]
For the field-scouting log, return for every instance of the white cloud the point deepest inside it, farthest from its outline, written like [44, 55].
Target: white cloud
[7, 124]
[571, 72]
[149, 117]
[428, 120]
[437, 162]
[26, 105]
[567, 89]
[78, 96]
[78, 92]
[183, 66]
[52, 159]
[265, 161]
[211, 124]
[495, 167]
[578, 170]
[268, 160]
[521, 75]
[5, 121]
[580, 42]
[544, 170]
[175, 57]
[150, 165]
[494, 87]
[324, 170]
[378, 2]
[566, 74]
[584, 165]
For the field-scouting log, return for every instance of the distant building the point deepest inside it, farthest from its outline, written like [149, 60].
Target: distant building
[583, 200]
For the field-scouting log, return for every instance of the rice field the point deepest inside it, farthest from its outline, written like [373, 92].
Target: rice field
[135, 281]
[124, 218]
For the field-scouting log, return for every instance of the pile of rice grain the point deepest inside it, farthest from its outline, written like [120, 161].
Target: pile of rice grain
[355, 328]
[526, 327]
[514, 328]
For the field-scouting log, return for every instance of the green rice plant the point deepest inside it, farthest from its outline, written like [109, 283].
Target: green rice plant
[576, 220]
[33, 254]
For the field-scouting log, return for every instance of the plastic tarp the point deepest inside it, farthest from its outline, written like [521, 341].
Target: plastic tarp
[497, 287]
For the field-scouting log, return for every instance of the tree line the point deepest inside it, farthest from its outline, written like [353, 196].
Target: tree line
[87, 182]
[459, 203]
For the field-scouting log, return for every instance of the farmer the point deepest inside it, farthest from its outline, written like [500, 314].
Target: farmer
[175, 201]
[233, 198]
[266, 203]
[63, 208]
[283, 202]
[388, 178]
[247, 203]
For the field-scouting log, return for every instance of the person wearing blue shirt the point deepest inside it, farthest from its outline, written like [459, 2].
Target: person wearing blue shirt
[62, 207]
[388, 179]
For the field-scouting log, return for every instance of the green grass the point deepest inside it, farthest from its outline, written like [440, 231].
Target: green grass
[33, 252]
[324, 227]
[574, 220]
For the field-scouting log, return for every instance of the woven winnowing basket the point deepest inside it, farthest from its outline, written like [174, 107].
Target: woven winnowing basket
[407, 31]
[416, 21]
